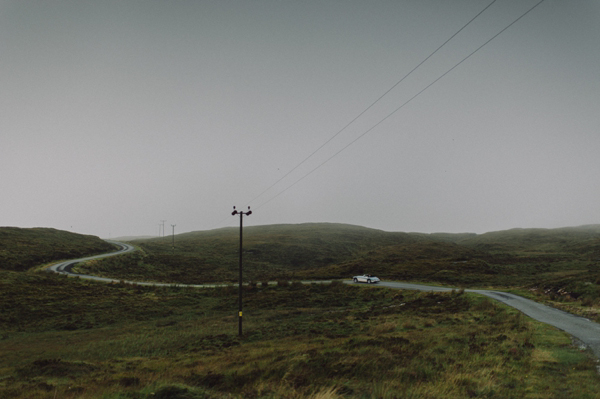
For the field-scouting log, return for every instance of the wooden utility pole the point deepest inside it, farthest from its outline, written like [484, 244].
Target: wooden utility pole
[173, 226]
[247, 213]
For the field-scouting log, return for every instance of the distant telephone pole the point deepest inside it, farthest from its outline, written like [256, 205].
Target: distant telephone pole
[173, 226]
[247, 213]
[163, 227]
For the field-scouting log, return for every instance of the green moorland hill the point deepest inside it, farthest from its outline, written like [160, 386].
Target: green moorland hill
[508, 258]
[270, 253]
[334, 251]
[560, 266]
[24, 248]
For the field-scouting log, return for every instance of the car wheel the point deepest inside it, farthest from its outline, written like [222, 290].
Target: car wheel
[356, 280]
[369, 281]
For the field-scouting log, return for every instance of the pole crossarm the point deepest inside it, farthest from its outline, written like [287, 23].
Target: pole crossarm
[236, 212]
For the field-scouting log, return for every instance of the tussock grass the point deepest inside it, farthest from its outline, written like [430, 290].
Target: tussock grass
[300, 341]
[69, 338]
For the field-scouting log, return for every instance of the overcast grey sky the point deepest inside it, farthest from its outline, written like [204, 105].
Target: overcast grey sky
[117, 114]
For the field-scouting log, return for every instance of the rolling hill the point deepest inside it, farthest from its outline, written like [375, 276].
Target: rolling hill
[327, 250]
[24, 248]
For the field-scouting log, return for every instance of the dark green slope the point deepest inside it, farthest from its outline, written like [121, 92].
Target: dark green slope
[299, 246]
[270, 252]
[329, 250]
[24, 248]
[535, 240]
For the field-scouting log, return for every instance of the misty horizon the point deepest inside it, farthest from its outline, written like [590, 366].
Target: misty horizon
[117, 115]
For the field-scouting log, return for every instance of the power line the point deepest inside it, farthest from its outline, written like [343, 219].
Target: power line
[373, 103]
[400, 107]
[393, 112]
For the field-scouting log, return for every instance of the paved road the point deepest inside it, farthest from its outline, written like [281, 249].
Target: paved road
[67, 269]
[67, 266]
[585, 330]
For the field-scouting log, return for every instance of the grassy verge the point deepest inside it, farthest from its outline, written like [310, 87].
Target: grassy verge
[64, 338]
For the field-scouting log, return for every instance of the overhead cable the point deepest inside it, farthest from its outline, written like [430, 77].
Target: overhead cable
[372, 104]
[400, 107]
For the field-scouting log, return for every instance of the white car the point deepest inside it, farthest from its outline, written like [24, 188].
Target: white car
[366, 278]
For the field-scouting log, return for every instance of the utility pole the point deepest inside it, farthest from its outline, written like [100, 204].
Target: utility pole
[163, 227]
[247, 213]
[173, 225]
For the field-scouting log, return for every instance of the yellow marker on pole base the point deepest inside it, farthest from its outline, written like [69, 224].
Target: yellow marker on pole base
[240, 314]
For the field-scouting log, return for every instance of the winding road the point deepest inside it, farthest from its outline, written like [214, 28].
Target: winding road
[585, 330]
[67, 266]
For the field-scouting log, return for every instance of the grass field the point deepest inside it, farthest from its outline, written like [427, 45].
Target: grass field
[70, 338]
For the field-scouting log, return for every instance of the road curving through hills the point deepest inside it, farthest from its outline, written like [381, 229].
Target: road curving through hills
[585, 330]
[67, 266]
